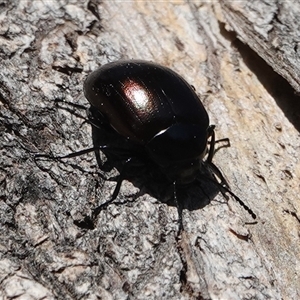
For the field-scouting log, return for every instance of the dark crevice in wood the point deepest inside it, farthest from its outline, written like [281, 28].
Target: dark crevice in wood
[282, 92]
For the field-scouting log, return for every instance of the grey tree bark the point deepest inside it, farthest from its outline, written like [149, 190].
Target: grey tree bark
[242, 59]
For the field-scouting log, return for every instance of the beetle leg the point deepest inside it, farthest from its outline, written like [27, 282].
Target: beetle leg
[98, 209]
[213, 142]
[211, 133]
[70, 155]
[224, 140]
[120, 179]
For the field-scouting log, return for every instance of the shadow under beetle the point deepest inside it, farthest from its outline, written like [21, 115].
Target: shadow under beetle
[159, 118]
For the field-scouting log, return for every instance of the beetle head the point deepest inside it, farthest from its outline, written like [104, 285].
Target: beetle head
[179, 150]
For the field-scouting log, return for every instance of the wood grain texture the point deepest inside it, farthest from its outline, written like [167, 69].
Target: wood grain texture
[47, 48]
[271, 29]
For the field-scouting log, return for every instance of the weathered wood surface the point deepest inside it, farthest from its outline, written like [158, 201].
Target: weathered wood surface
[271, 29]
[47, 48]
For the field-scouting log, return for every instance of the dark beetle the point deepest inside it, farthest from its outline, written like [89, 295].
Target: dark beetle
[153, 106]
[157, 112]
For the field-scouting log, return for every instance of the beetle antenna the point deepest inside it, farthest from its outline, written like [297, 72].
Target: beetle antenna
[247, 208]
[224, 186]
[215, 170]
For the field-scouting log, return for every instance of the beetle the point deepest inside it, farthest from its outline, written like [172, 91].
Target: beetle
[159, 115]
